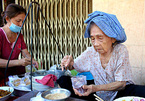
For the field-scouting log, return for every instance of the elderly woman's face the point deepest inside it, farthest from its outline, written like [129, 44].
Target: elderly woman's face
[101, 42]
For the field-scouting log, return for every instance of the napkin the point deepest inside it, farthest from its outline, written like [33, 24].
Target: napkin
[47, 80]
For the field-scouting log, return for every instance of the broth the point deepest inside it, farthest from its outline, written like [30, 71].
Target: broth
[55, 96]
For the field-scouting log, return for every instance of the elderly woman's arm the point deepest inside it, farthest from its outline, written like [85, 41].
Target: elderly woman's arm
[114, 86]
[118, 85]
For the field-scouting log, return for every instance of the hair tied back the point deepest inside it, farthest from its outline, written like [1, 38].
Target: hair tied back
[3, 13]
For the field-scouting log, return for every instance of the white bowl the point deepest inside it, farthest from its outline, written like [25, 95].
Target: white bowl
[11, 89]
[38, 86]
[129, 98]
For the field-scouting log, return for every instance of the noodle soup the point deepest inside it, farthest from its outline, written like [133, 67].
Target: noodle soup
[55, 96]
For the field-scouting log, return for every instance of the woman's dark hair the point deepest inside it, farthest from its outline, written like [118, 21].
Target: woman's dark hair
[13, 10]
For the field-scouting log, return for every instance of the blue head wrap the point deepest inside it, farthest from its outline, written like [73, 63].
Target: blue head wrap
[108, 23]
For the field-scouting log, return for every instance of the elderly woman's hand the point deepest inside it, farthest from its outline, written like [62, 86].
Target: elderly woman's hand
[77, 92]
[89, 89]
[67, 62]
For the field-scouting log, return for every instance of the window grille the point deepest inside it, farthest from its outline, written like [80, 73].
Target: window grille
[66, 19]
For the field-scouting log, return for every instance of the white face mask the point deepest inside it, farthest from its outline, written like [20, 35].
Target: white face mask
[14, 28]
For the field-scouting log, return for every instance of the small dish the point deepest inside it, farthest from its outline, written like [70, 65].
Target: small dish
[8, 95]
[130, 98]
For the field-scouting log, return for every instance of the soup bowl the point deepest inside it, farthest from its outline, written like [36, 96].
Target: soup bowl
[56, 94]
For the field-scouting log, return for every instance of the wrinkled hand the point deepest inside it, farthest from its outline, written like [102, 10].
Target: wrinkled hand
[67, 62]
[89, 89]
[77, 92]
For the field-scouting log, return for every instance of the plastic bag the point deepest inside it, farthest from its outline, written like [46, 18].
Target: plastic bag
[78, 82]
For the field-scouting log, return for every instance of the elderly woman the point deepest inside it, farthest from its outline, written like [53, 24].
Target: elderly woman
[107, 59]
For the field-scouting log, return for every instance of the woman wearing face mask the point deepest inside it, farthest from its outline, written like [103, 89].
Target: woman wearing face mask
[13, 16]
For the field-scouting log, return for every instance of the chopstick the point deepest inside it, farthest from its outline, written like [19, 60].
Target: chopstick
[98, 98]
